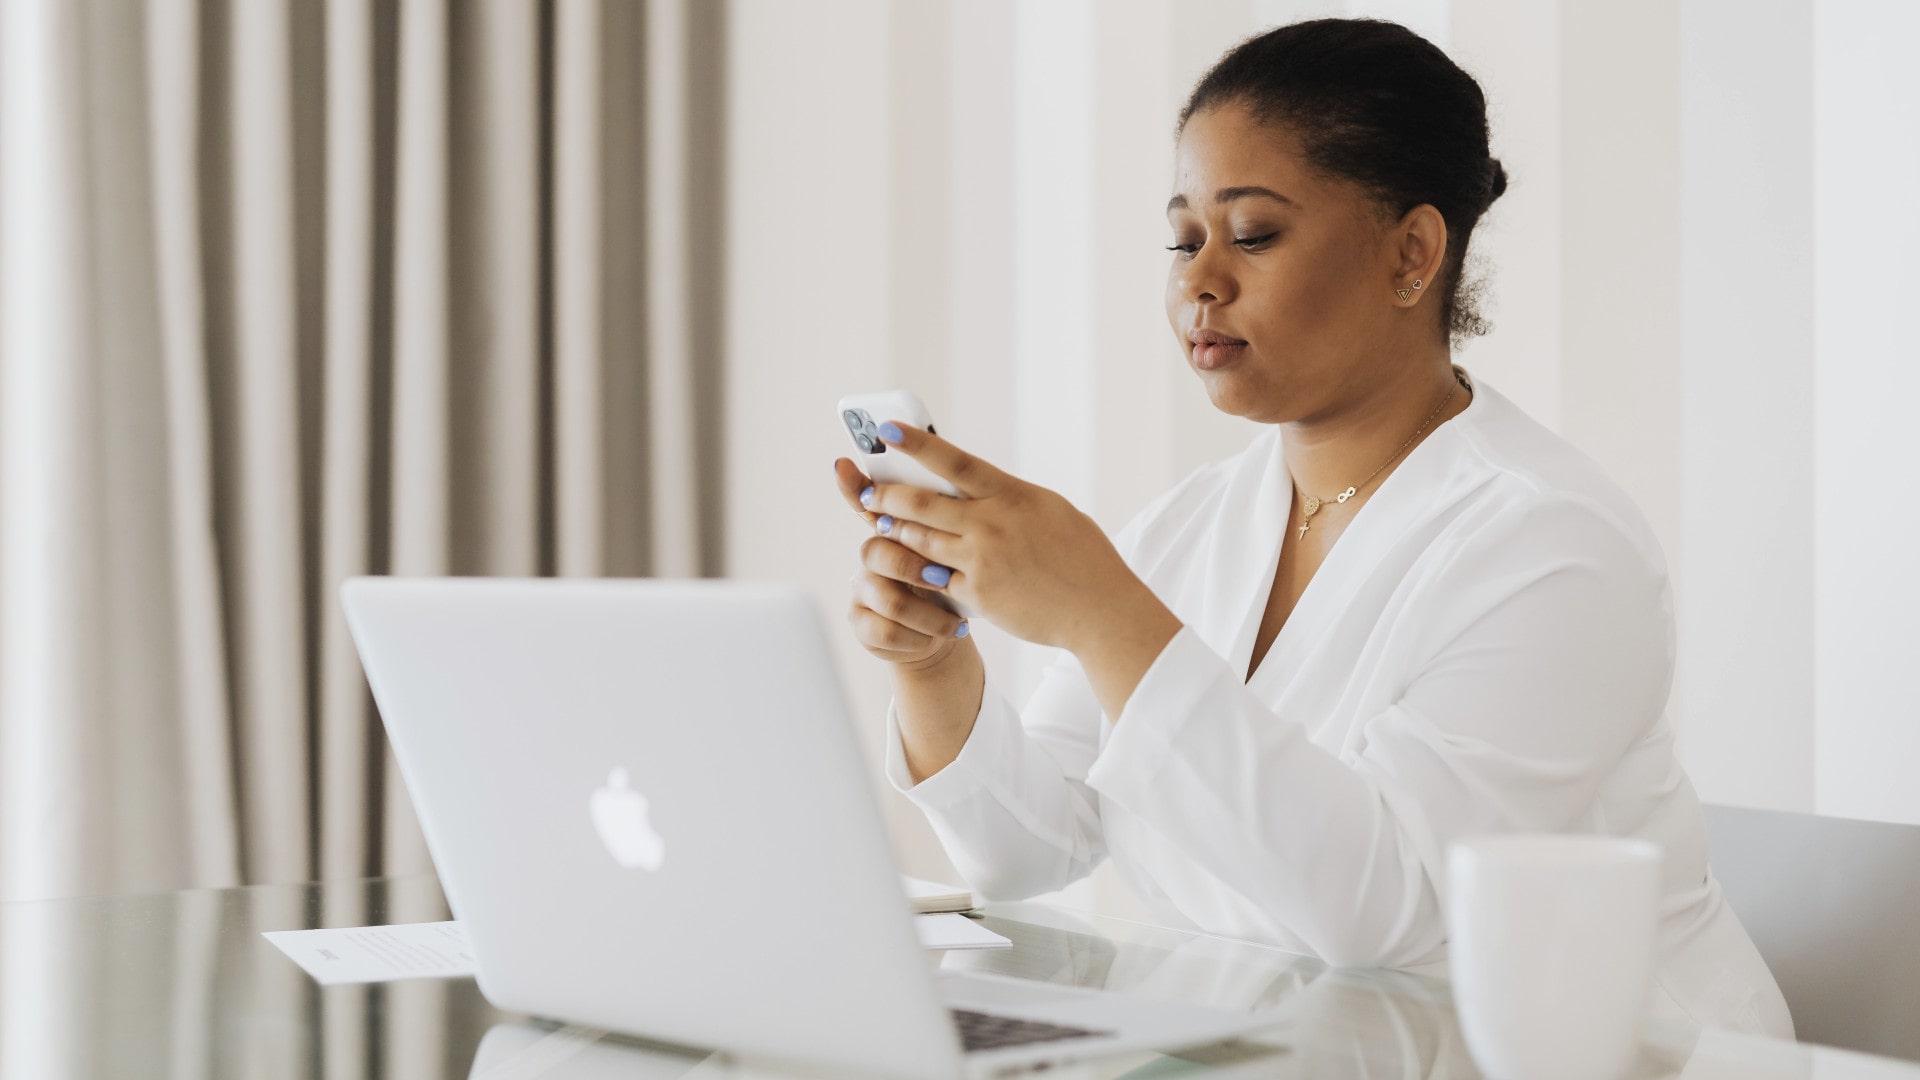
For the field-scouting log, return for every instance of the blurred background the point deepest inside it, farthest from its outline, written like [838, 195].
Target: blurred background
[292, 290]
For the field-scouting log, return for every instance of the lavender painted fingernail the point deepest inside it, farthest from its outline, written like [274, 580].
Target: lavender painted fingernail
[891, 432]
[964, 630]
[885, 523]
[866, 497]
[936, 575]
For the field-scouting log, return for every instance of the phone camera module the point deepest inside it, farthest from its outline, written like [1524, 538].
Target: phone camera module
[865, 435]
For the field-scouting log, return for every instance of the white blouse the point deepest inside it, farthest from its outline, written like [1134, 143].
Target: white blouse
[1488, 647]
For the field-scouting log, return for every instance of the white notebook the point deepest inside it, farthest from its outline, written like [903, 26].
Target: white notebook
[931, 897]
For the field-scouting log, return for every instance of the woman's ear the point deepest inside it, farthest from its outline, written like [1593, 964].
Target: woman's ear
[1419, 250]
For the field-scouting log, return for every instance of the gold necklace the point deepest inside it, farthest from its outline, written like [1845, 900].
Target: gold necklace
[1314, 502]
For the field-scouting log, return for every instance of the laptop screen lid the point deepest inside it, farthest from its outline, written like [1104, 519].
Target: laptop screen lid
[624, 784]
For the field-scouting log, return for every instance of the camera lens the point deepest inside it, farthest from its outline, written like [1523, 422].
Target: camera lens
[866, 444]
[852, 419]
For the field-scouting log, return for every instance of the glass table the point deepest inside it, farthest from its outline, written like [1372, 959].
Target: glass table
[183, 985]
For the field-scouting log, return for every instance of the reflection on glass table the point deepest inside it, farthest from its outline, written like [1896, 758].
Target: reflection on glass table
[183, 985]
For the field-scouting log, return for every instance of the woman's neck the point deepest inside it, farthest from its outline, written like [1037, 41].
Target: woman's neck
[1334, 450]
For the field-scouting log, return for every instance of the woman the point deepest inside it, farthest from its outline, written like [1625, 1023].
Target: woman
[1407, 613]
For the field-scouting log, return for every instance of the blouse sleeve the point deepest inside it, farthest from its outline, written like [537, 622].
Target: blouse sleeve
[1013, 809]
[1545, 653]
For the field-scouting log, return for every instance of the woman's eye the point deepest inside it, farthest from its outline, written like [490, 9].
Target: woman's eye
[1246, 242]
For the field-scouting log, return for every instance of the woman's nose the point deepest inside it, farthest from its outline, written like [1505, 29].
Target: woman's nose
[1202, 278]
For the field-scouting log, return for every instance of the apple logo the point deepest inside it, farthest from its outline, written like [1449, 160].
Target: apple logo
[620, 817]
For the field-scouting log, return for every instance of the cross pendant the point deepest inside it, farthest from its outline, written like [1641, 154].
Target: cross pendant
[1311, 508]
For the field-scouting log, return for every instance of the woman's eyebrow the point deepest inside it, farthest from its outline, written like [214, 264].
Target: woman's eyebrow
[1232, 193]
[1228, 194]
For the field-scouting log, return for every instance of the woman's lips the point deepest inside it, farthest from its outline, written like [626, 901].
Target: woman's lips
[1213, 357]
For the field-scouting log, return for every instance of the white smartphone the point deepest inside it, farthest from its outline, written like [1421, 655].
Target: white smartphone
[861, 416]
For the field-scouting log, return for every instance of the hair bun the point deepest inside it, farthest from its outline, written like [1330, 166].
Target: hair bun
[1496, 179]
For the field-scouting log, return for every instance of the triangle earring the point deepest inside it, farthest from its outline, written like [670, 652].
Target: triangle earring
[1403, 294]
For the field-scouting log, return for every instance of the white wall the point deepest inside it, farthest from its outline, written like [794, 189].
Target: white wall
[1747, 595]
[1866, 377]
[1696, 276]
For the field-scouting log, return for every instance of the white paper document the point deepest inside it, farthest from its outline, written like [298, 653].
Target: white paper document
[365, 954]
[956, 932]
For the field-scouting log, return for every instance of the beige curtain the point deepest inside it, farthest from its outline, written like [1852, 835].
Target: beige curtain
[292, 290]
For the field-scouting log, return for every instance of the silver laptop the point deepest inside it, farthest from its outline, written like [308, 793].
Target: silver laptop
[647, 804]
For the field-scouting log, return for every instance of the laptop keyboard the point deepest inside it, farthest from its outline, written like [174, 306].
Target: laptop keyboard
[984, 1031]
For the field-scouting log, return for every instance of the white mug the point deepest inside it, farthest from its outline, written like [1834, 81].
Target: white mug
[1551, 941]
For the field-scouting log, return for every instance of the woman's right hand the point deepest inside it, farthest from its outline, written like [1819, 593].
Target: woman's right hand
[892, 619]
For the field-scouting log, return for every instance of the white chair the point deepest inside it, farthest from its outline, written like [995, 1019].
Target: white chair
[1834, 906]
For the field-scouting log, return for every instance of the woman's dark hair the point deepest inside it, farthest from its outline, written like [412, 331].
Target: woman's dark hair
[1377, 104]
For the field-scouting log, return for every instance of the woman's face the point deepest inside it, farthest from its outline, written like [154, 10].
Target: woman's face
[1298, 266]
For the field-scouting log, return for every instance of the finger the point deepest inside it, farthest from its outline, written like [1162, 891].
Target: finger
[876, 631]
[852, 482]
[889, 559]
[972, 475]
[898, 603]
[933, 545]
[904, 501]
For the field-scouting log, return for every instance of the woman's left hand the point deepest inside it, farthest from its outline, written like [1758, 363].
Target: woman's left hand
[1019, 554]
